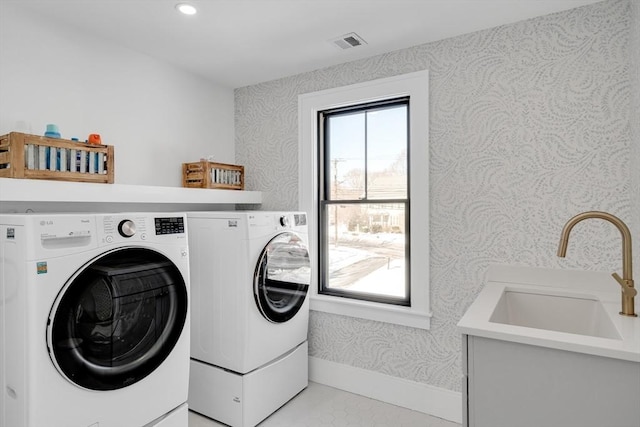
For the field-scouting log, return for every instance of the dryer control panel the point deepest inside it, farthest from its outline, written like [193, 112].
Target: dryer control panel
[300, 219]
[292, 220]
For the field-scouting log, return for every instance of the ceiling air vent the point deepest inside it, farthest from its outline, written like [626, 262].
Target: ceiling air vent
[348, 41]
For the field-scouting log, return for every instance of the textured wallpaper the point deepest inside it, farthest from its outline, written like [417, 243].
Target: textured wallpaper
[530, 125]
[634, 49]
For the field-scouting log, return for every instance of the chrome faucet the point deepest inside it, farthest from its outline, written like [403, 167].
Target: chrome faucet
[626, 282]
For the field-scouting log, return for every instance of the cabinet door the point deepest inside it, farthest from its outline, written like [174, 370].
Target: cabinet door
[512, 384]
[465, 381]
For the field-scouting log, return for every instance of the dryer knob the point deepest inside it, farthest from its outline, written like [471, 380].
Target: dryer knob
[127, 228]
[284, 221]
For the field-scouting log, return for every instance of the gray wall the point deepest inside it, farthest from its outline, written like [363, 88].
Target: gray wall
[529, 125]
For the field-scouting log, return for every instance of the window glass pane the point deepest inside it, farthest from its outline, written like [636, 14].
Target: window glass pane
[387, 153]
[346, 156]
[365, 247]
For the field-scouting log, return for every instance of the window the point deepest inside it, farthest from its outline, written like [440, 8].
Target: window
[347, 192]
[363, 202]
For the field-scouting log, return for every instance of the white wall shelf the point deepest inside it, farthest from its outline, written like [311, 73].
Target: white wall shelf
[25, 191]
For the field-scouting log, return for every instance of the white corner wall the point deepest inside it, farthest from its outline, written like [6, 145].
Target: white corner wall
[156, 115]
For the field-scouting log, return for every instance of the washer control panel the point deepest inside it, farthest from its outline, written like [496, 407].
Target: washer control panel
[136, 227]
[118, 228]
[169, 225]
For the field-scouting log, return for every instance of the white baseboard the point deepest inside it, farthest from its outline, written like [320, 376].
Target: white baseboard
[439, 402]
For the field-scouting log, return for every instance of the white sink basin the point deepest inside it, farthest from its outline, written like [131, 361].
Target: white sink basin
[568, 310]
[562, 313]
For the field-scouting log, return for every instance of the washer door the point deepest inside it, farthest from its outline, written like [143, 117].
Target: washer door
[282, 277]
[118, 319]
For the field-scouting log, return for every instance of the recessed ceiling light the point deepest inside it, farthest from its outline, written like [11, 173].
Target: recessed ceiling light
[185, 8]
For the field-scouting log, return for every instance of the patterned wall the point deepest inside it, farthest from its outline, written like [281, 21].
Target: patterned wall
[634, 49]
[529, 125]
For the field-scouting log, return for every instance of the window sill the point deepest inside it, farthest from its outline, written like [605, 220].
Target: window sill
[405, 316]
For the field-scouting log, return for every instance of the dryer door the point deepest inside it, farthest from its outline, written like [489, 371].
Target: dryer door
[282, 277]
[118, 319]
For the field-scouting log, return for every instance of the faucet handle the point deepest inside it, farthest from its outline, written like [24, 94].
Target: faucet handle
[627, 285]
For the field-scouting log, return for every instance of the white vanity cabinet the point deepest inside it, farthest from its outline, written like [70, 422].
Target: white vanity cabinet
[548, 348]
[509, 384]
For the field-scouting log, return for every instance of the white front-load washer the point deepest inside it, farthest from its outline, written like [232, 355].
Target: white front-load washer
[94, 312]
[250, 274]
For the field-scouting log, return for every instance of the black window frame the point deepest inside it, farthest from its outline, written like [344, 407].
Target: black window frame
[324, 201]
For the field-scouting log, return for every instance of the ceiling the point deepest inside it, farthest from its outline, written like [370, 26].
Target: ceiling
[237, 43]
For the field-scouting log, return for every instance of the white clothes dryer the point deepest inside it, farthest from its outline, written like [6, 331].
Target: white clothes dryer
[250, 274]
[94, 320]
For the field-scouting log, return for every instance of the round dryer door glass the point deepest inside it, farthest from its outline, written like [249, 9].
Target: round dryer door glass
[118, 319]
[282, 277]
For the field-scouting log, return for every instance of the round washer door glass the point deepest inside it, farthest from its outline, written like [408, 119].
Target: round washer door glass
[282, 277]
[118, 319]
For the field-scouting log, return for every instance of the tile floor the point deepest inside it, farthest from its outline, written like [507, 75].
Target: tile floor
[322, 406]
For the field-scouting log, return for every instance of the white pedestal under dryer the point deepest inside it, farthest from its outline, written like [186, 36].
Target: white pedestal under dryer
[94, 320]
[250, 274]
